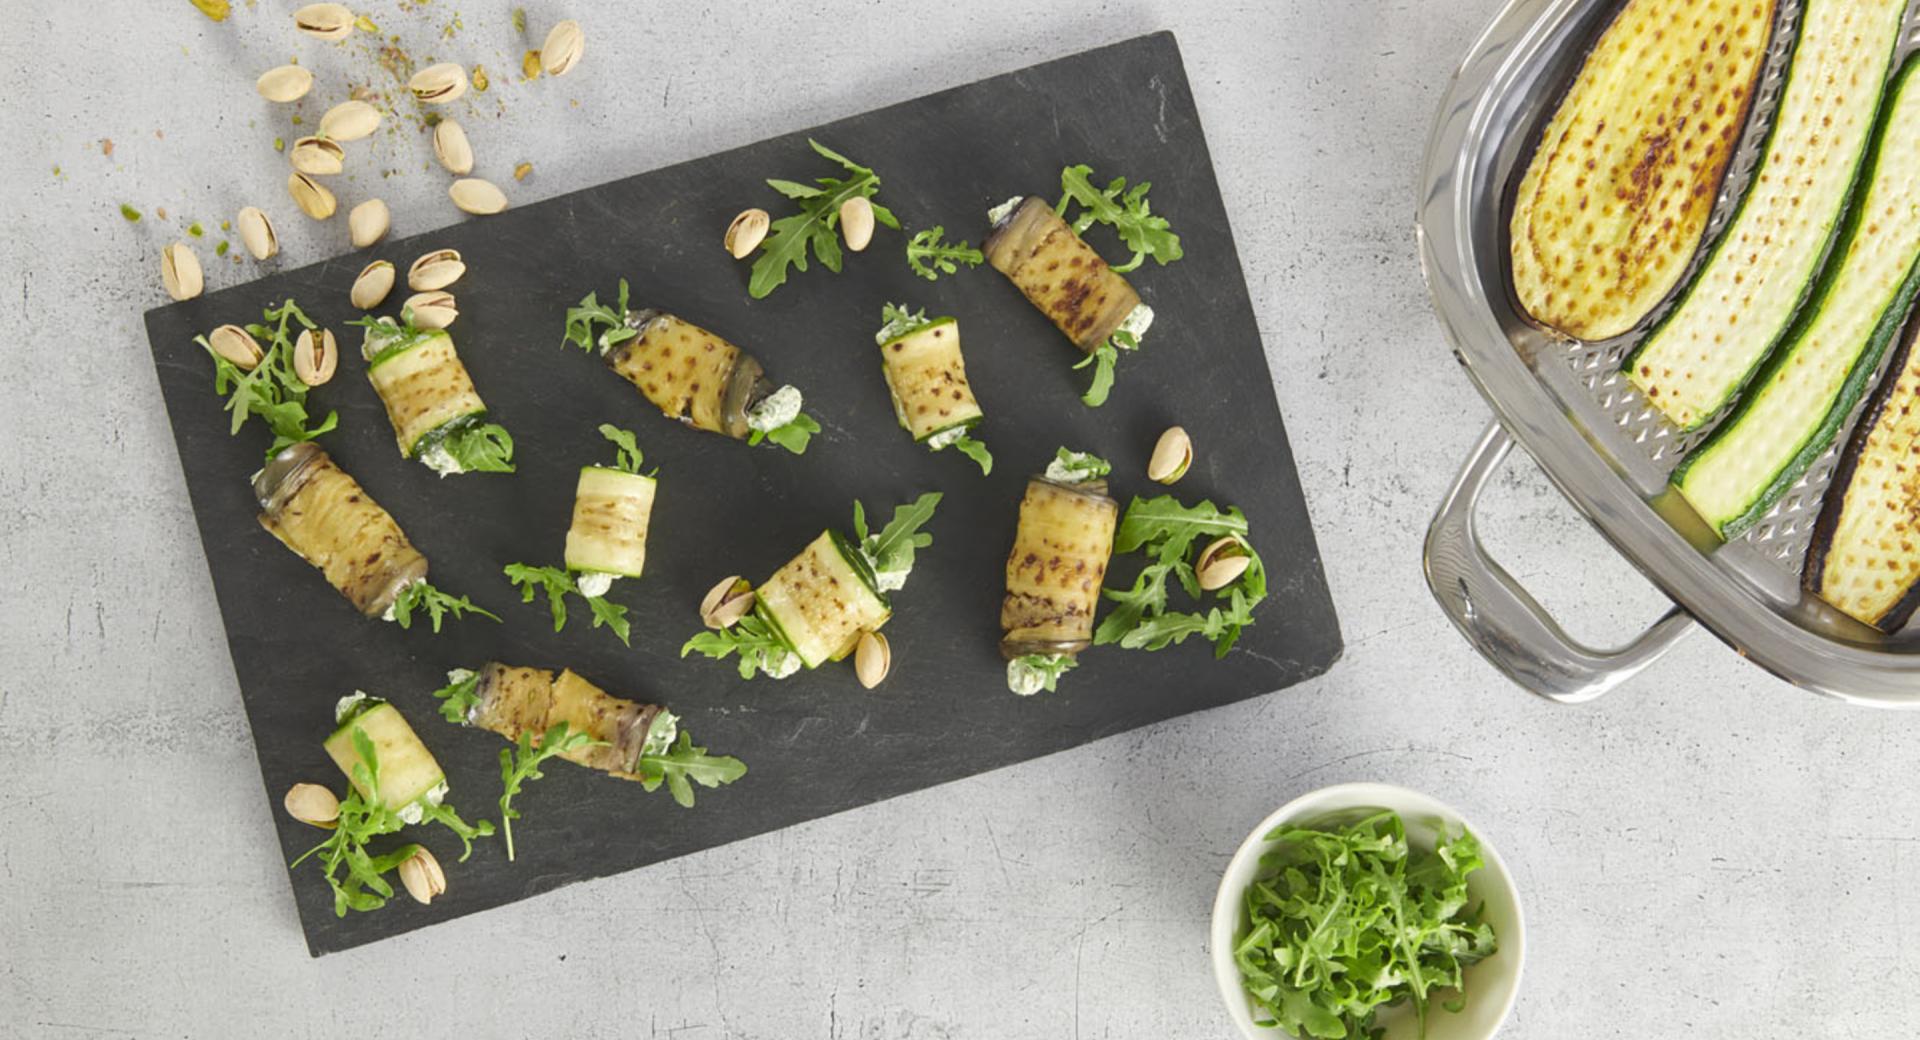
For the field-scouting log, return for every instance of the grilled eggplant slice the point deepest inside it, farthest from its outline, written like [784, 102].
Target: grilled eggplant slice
[1057, 565]
[425, 387]
[1865, 554]
[822, 600]
[1740, 308]
[1060, 273]
[611, 512]
[1616, 198]
[408, 771]
[515, 702]
[689, 373]
[1813, 381]
[316, 509]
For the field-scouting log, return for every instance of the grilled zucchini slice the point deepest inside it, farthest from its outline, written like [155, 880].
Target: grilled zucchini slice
[1739, 308]
[689, 373]
[1812, 382]
[320, 512]
[928, 379]
[1057, 565]
[822, 600]
[611, 511]
[1616, 198]
[1060, 273]
[424, 386]
[1865, 555]
[408, 771]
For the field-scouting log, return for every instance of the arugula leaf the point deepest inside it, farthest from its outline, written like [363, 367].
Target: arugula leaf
[896, 321]
[627, 455]
[974, 450]
[477, 447]
[1345, 919]
[793, 436]
[590, 314]
[443, 813]
[1167, 530]
[459, 696]
[558, 583]
[1080, 466]
[789, 237]
[891, 550]
[684, 765]
[1104, 358]
[760, 649]
[423, 596]
[272, 390]
[515, 771]
[1046, 668]
[1129, 213]
[930, 255]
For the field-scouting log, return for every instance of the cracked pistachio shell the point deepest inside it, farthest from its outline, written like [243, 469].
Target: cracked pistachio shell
[180, 271]
[319, 156]
[236, 345]
[477, 196]
[325, 21]
[872, 659]
[430, 310]
[284, 84]
[1221, 563]
[439, 84]
[368, 222]
[561, 51]
[726, 603]
[420, 873]
[372, 285]
[349, 121]
[1172, 454]
[315, 356]
[746, 232]
[451, 147]
[435, 270]
[311, 196]
[256, 233]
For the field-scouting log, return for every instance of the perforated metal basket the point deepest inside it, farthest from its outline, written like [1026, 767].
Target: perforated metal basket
[1590, 430]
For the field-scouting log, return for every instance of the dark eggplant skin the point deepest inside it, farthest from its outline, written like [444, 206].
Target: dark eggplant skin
[1813, 573]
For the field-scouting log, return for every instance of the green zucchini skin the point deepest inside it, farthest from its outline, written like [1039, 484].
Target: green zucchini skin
[1866, 358]
[1806, 290]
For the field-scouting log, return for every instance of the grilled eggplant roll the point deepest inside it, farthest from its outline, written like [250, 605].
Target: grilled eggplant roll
[700, 379]
[320, 512]
[1815, 378]
[927, 378]
[1055, 570]
[1863, 559]
[1616, 198]
[411, 780]
[437, 415]
[1742, 305]
[1061, 274]
[514, 702]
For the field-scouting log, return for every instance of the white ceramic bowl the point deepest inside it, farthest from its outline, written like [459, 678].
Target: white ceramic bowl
[1490, 984]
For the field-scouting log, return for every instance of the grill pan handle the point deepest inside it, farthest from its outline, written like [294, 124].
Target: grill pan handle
[1502, 620]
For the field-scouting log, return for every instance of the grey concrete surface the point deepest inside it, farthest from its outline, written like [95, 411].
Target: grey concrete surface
[1706, 853]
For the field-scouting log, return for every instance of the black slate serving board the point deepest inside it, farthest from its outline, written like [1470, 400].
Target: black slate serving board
[816, 743]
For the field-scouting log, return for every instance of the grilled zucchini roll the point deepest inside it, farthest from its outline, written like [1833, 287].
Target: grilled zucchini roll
[437, 415]
[411, 780]
[612, 508]
[691, 374]
[1616, 198]
[1055, 570]
[1865, 554]
[1743, 304]
[927, 378]
[1810, 385]
[815, 608]
[320, 512]
[1061, 274]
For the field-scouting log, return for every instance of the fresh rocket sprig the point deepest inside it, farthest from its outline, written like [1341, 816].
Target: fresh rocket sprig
[1128, 212]
[590, 314]
[421, 596]
[521, 763]
[890, 550]
[685, 764]
[1103, 359]
[271, 390]
[1166, 531]
[930, 255]
[627, 456]
[792, 435]
[760, 650]
[790, 237]
[558, 584]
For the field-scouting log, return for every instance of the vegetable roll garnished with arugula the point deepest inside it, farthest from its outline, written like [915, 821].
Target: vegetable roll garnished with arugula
[1054, 571]
[395, 782]
[320, 512]
[622, 738]
[816, 608]
[437, 415]
[612, 509]
[690, 374]
[927, 377]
